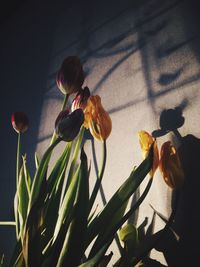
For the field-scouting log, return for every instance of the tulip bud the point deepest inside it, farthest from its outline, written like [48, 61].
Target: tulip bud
[170, 166]
[19, 122]
[70, 77]
[146, 140]
[80, 100]
[68, 125]
[97, 119]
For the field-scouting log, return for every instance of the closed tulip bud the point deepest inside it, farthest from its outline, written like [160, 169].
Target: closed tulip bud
[170, 166]
[68, 125]
[146, 140]
[80, 100]
[97, 119]
[19, 122]
[70, 77]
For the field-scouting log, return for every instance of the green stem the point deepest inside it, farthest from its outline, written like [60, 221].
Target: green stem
[99, 178]
[17, 183]
[54, 136]
[18, 157]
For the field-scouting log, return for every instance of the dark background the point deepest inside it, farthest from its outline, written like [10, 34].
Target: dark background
[27, 49]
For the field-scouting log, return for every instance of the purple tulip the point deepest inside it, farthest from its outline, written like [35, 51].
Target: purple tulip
[70, 77]
[68, 125]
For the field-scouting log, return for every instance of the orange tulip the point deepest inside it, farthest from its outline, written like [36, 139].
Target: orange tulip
[97, 119]
[146, 140]
[170, 166]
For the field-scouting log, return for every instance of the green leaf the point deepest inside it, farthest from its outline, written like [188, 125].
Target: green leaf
[54, 189]
[16, 254]
[37, 162]
[70, 256]
[61, 164]
[2, 261]
[41, 173]
[20, 261]
[97, 258]
[66, 215]
[23, 199]
[105, 260]
[129, 235]
[101, 222]
[8, 223]
[31, 245]
[65, 211]
[128, 232]
[75, 155]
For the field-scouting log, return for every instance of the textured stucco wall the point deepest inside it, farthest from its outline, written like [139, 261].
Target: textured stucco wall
[141, 57]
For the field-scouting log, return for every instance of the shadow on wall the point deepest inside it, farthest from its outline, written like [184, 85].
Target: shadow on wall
[190, 12]
[180, 244]
[152, 18]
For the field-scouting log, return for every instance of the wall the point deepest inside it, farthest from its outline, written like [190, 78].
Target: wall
[141, 57]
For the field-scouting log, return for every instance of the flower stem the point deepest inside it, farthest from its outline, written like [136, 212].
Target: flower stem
[18, 157]
[99, 178]
[17, 184]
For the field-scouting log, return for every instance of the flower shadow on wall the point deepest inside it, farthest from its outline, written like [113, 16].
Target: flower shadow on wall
[179, 245]
[55, 219]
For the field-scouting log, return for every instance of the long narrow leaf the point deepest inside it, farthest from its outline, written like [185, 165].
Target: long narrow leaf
[68, 203]
[97, 258]
[41, 172]
[70, 256]
[61, 164]
[23, 199]
[104, 236]
[120, 197]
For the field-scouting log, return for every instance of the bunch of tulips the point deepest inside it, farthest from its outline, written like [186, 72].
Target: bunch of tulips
[54, 216]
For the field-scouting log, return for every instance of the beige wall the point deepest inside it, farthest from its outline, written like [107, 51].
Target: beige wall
[141, 57]
[140, 60]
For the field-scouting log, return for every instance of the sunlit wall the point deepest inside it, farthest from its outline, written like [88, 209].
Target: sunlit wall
[141, 57]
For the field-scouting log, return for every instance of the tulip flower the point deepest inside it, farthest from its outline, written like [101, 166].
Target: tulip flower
[146, 140]
[97, 119]
[80, 100]
[70, 77]
[67, 124]
[170, 166]
[19, 122]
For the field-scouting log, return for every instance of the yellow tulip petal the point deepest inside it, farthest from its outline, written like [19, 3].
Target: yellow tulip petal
[146, 140]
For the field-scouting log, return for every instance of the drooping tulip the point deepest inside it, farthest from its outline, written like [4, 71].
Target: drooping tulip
[146, 140]
[97, 119]
[19, 122]
[80, 100]
[70, 76]
[67, 125]
[170, 166]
